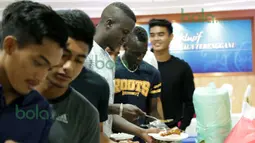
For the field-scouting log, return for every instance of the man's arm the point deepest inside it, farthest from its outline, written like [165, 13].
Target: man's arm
[154, 97]
[114, 109]
[156, 108]
[187, 94]
[122, 125]
[130, 112]
[103, 137]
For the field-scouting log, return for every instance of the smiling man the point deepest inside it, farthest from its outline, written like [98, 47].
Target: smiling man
[177, 76]
[76, 120]
[29, 46]
[137, 82]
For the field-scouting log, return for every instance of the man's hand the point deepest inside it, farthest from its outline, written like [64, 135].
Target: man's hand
[144, 134]
[152, 130]
[131, 112]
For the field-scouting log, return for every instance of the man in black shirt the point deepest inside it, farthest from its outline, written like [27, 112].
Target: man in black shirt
[176, 74]
[91, 84]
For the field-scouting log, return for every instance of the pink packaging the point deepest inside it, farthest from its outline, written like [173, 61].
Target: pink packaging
[244, 130]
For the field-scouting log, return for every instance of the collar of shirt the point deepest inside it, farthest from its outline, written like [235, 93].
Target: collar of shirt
[100, 51]
[22, 100]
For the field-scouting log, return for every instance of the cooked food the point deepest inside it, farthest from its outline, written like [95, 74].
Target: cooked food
[173, 131]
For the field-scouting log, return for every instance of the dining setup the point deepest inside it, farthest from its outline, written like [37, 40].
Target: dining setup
[214, 122]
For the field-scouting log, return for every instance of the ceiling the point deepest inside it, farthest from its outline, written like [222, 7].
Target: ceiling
[146, 7]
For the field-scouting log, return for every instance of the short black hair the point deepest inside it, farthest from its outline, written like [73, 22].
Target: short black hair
[125, 9]
[141, 34]
[80, 27]
[31, 22]
[162, 23]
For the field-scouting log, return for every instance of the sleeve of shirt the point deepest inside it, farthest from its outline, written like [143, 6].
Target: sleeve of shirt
[154, 61]
[155, 90]
[46, 130]
[91, 128]
[104, 92]
[188, 89]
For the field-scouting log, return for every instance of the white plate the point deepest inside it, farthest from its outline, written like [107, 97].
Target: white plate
[180, 137]
[122, 136]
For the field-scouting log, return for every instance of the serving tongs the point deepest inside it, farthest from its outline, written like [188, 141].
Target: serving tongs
[157, 123]
[159, 120]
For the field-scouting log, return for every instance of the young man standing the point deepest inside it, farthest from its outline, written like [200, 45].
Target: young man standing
[30, 45]
[76, 119]
[117, 21]
[136, 81]
[177, 77]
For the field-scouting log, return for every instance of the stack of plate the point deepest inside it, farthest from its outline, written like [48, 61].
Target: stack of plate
[170, 138]
[121, 137]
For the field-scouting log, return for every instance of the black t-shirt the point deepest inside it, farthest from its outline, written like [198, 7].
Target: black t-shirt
[177, 90]
[137, 88]
[95, 88]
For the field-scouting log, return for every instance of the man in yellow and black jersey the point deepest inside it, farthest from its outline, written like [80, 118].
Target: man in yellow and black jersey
[136, 81]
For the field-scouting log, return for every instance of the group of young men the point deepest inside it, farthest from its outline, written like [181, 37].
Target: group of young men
[63, 80]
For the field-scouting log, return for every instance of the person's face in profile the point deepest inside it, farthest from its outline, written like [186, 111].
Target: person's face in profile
[70, 65]
[26, 66]
[135, 51]
[118, 31]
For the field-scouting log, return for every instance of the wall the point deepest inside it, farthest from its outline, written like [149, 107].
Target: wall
[238, 80]
[239, 83]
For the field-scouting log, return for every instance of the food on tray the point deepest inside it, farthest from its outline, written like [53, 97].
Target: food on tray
[173, 131]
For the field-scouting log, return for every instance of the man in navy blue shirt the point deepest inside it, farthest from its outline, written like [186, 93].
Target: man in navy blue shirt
[30, 44]
[136, 81]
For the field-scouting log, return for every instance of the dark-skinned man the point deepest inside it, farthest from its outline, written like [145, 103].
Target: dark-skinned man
[117, 21]
[136, 81]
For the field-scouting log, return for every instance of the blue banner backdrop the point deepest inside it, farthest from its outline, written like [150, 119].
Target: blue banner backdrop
[213, 47]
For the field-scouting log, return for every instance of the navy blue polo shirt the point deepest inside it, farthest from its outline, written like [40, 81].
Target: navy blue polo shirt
[26, 120]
